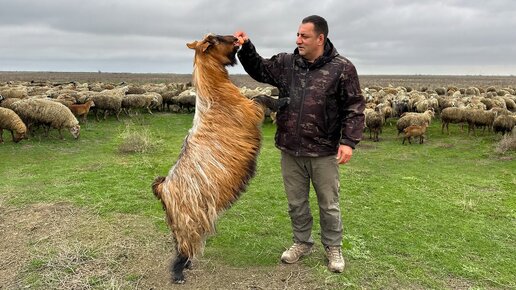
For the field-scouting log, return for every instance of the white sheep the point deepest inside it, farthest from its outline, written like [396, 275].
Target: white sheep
[47, 113]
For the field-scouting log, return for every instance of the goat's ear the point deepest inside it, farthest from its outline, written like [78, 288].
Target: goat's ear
[192, 45]
[205, 45]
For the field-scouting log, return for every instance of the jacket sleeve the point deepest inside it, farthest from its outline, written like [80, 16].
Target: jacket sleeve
[352, 107]
[262, 70]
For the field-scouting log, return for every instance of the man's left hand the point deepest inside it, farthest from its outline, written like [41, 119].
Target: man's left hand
[344, 154]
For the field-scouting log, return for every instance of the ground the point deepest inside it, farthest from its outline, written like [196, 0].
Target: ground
[56, 244]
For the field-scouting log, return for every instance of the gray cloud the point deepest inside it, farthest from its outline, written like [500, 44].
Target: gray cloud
[380, 37]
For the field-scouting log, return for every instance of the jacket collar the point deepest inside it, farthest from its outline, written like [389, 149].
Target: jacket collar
[329, 53]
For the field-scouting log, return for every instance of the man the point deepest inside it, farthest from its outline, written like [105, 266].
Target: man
[317, 130]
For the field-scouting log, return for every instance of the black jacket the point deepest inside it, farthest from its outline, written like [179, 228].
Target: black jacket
[326, 105]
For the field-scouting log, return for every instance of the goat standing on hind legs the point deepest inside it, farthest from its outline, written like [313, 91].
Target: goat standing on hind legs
[218, 157]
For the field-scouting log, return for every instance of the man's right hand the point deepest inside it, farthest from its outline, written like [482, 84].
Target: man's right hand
[241, 34]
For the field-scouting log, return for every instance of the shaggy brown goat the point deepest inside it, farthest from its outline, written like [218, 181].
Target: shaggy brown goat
[415, 131]
[218, 157]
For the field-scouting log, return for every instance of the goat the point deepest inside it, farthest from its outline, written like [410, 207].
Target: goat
[82, 110]
[218, 157]
[415, 131]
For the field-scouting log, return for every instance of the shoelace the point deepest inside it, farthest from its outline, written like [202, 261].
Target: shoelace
[297, 248]
[334, 253]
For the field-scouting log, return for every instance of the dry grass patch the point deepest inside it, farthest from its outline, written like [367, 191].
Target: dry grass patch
[506, 144]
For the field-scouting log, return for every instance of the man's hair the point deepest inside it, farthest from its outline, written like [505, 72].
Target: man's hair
[320, 25]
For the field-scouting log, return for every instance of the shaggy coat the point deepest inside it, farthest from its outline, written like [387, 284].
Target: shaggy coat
[452, 115]
[11, 121]
[48, 113]
[218, 156]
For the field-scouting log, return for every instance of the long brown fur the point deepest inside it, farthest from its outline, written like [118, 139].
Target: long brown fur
[218, 156]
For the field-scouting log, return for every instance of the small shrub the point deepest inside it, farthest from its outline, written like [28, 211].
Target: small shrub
[135, 141]
[507, 143]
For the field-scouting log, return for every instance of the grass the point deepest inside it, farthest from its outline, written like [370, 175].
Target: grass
[440, 215]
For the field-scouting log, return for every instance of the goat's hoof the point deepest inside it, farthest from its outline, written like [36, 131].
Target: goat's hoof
[179, 280]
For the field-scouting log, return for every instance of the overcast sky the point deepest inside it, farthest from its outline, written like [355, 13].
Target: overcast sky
[380, 36]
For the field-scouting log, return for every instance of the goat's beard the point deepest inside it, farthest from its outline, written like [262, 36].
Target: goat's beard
[232, 57]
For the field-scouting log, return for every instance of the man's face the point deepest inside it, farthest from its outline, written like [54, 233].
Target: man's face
[308, 43]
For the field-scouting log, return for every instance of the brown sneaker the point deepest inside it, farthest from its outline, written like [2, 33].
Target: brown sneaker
[335, 259]
[295, 252]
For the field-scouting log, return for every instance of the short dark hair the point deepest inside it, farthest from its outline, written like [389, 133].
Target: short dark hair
[320, 25]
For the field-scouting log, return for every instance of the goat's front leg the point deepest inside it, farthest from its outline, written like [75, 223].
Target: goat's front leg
[271, 103]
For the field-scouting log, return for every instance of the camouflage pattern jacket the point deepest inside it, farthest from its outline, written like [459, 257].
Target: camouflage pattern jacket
[326, 105]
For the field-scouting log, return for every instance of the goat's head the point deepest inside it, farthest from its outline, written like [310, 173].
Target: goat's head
[218, 47]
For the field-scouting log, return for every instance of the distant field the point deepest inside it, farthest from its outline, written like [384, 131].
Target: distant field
[414, 81]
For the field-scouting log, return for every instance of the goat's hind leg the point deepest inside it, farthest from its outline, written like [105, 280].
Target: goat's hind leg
[180, 263]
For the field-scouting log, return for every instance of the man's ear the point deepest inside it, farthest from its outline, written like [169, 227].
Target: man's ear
[320, 39]
[192, 45]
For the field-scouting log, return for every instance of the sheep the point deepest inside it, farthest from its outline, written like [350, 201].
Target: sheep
[452, 115]
[415, 131]
[374, 120]
[48, 113]
[414, 119]
[109, 101]
[504, 124]
[137, 101]
[168, 98]
[82, 110]
[477, 118]
[218, 157]
[11, 121]
[7, 103]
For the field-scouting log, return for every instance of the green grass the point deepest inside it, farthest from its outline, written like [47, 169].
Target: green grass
[438, 215]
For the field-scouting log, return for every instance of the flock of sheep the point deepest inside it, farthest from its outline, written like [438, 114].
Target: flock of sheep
[488, 108]
[27, 106]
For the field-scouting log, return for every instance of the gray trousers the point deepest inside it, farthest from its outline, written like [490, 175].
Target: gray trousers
[324, 173]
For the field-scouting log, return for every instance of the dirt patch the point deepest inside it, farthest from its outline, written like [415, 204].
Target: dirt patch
[59, 246]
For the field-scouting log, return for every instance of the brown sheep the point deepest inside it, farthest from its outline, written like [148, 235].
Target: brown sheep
[11, 121]
[82, 110]
[415, 131]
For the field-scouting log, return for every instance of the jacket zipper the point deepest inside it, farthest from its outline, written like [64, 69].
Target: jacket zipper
[298, 128]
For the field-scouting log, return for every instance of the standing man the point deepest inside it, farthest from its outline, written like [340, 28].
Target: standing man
[316, 132]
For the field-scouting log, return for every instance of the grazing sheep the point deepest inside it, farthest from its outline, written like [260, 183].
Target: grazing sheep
[82, 110]
[137, 101]
[168, 98]
[414, 119]
[108, 101]
[7, 103]
[9, 120]
[47, 113]
[218, 157]
[374, 120]
[452, 115]
[480, 118]
[504, 124]
[415, 131]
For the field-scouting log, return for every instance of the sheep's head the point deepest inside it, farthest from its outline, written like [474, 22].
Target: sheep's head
[76, 131]
[19, 136]
[221, 48]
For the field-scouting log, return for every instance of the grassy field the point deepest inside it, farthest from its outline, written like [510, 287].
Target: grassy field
[441, 215]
